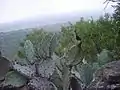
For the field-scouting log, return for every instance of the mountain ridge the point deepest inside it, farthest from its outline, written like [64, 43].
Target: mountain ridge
[47, 20]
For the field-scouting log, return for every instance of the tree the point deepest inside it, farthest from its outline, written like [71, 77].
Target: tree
[116, 18]
[94, 36]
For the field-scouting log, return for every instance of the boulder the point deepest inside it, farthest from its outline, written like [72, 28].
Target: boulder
[4, 67]
[107, 77]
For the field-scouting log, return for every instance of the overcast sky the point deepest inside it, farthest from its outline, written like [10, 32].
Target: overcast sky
[12, 10]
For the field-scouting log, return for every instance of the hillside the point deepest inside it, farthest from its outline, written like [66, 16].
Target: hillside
[9, 41]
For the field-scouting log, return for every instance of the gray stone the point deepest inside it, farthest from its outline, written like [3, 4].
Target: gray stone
[107, 78]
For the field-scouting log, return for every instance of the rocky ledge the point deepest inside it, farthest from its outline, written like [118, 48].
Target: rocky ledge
[107, 77]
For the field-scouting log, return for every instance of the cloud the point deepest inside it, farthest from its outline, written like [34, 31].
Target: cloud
[12, 10]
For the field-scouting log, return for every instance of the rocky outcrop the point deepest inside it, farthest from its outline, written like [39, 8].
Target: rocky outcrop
[4, 66]
[107, 78]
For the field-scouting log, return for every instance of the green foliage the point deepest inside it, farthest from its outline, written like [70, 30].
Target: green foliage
[53, 44]
[95, 36]
[21, 54]
[98, 45]
[116, 22]
[67, 39]
[36, 36]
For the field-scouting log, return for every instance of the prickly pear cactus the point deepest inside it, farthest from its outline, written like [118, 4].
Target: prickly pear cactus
[67, 62]
[41, 84]
[86, 73]
[27, 71]
[14, 79]
[29, 51]
[43, 48]
[104, 57]
[53, 44]
[47, 46]
[36, 72]
[46, 68]
[73, 55]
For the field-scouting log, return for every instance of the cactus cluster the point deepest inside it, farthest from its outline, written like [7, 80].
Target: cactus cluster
[29, 51]
[36, 70]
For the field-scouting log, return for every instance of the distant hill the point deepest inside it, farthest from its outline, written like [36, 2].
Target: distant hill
[38, 21]
[10, 42]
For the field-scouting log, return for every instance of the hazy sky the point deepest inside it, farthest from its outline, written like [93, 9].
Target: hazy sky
[12, 10]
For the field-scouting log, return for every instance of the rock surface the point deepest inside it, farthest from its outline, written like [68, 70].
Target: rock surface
[4, 67]
[107, 78]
